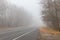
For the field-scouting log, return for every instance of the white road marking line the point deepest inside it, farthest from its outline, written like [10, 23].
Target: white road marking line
[22, 35]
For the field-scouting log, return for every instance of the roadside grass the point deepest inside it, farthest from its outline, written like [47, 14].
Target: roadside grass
[49, 31]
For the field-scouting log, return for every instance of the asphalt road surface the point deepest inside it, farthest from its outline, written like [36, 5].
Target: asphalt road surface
[20, 34]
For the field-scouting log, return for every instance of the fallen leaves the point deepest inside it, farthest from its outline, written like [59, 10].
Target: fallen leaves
[50, 31]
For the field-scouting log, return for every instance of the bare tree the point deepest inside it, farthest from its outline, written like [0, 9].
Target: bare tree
[50, 12]
[13, 16]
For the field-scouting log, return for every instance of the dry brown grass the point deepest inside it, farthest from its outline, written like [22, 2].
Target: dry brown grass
[49, 30]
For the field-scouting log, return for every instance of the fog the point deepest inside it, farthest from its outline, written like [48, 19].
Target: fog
[15, 13]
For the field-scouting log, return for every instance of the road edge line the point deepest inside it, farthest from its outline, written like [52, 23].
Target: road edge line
[22, 35]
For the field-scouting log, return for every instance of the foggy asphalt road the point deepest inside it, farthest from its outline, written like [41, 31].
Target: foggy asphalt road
[21, 34]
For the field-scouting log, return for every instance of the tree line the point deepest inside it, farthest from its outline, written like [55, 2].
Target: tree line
[51, 12]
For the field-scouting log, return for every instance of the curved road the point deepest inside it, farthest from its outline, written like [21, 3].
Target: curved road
[30, 33]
